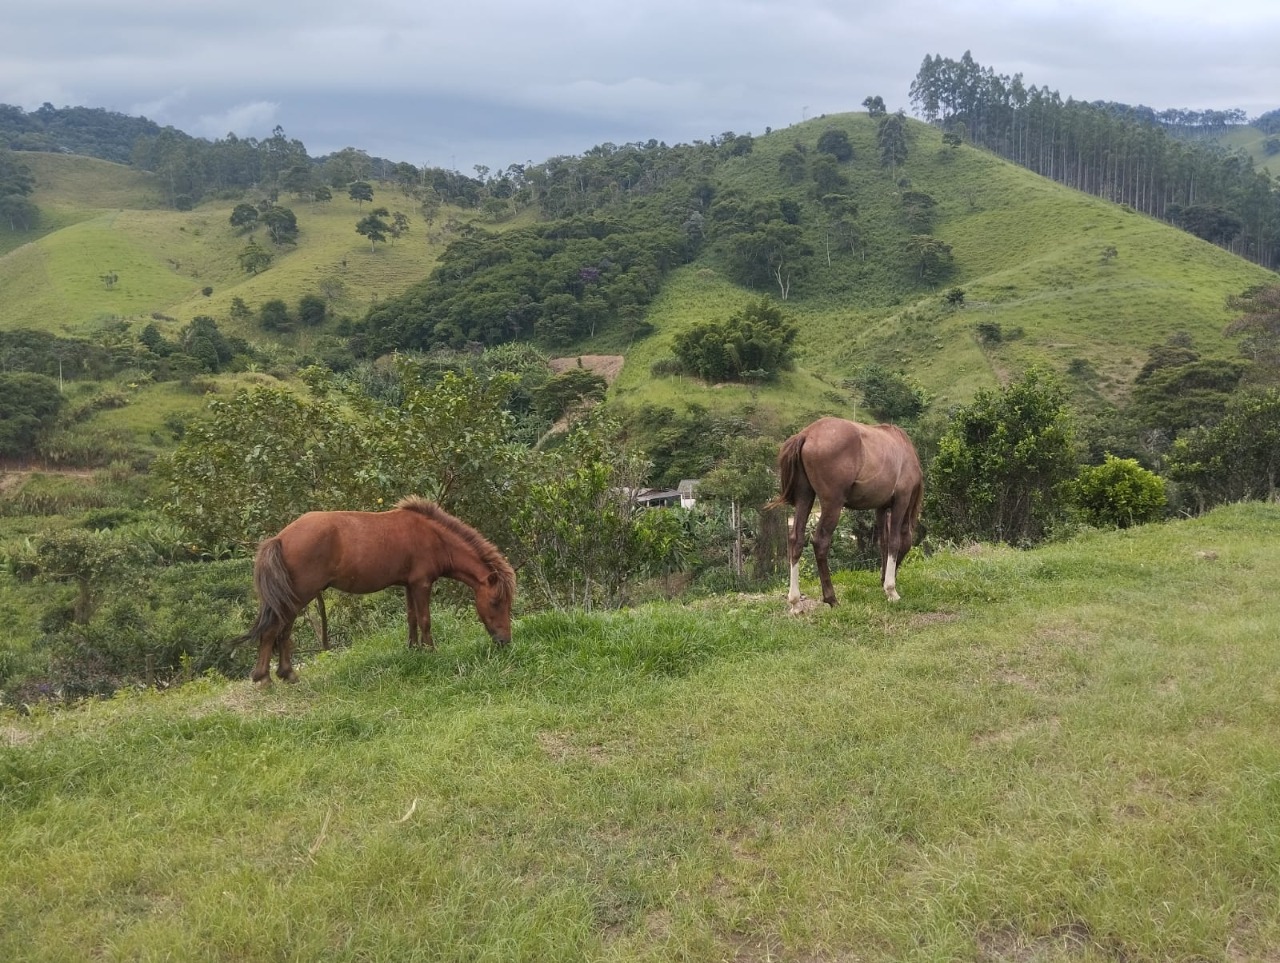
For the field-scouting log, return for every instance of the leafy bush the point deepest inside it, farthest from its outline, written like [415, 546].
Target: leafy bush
[890, 395]
[553, 398]
[159, 626]
[1002, 463]
[1119, 493]
[583, 538]
[1236, 459]
[836, 143]
[28, 405]
[753, 344]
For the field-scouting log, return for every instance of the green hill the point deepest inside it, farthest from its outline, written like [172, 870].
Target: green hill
[99, 217]
[1028, 254]
[1251, 140]
[1071, 281]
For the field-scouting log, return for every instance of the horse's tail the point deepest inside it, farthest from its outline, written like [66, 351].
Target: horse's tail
[277, 603]
[790, 471]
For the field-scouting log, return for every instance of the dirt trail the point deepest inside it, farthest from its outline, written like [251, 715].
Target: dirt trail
[607, 366]
[14, 474]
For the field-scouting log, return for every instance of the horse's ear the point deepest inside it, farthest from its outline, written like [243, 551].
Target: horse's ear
[492, 580]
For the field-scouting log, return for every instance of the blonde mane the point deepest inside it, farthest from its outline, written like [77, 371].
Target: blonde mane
[487, 551]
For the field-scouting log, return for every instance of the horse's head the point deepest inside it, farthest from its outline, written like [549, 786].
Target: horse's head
[493, 604]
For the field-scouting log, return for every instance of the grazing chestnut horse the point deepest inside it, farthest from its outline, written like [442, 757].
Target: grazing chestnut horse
[362, 552]
[848, 465]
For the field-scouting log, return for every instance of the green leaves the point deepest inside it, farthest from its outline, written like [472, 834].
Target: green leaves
[1119, 493]
[1002, 463]
[580, 534]
[752, 345]
[261, 459]
[1238, 458]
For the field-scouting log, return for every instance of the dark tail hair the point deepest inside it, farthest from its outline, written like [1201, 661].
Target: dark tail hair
[277, 602]
[790, 470]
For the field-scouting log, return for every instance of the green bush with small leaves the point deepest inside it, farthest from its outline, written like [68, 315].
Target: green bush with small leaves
[1119, 493]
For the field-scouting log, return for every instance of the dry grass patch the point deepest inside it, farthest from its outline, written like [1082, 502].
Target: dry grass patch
[1072, 941]
[607, 366]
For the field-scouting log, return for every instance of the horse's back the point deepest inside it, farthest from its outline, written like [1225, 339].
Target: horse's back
[862, 465]
[354, 551]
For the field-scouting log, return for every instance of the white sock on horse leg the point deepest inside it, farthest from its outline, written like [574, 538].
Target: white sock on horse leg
[891, 578]
[793, 596]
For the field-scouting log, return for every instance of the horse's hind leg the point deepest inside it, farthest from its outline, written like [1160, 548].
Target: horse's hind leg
[266, 645]
[795, 543]
[822, 537]
[420, 613]
[285, 669]
[892, 530]
[322, 628]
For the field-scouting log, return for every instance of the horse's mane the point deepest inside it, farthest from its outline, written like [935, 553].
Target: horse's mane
[487, 551]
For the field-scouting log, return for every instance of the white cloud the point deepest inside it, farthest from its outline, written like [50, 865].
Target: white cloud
[256, 119]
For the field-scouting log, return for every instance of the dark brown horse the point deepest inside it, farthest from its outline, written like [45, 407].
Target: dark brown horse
[847, 465]
[362, 552]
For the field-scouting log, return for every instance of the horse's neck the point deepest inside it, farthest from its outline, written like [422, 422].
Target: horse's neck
[462, 562]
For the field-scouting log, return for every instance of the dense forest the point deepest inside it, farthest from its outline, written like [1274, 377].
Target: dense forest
[1130, 155]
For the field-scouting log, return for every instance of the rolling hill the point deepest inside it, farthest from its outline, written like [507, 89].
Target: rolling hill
[1028, 256]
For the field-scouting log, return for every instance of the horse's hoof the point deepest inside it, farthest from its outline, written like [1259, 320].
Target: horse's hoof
[257, 677]
[290, 676]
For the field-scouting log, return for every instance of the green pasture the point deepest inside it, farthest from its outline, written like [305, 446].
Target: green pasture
[1066, 753]
[1252, 141]
[98, 218]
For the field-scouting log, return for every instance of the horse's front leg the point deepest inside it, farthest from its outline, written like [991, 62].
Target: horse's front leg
[419, 597]
[795, 545]
[822, 537]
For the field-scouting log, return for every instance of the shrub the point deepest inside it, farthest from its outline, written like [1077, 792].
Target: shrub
[752, 345]
[1002, 463]
[1119, 493]
[890, 395]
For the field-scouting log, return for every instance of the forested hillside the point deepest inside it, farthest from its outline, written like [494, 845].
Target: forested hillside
[1112, 150]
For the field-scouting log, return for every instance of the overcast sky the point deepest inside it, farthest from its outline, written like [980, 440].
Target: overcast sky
[498, 82]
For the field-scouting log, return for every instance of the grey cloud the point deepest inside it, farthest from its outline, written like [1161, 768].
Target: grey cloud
[503, 81]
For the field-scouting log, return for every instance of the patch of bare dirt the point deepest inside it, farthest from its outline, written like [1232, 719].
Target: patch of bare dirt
[560, 748]
[607, 366]
[14, 476]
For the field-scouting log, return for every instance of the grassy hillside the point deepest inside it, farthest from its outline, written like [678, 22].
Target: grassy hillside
[99, 217]
[1250, 140]
[1027, 252]
[1065, 753]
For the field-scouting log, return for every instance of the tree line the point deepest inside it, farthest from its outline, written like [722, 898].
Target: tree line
[1125, 155]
